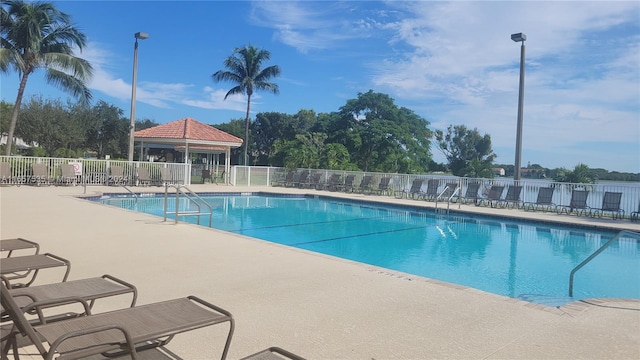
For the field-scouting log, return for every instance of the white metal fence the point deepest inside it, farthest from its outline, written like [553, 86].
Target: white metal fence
[19, 171]
[97, 172]
[630, 201]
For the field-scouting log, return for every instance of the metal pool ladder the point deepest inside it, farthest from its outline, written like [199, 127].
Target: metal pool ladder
[192, 197]
[448, 200]
[597, 252]
[135, 196]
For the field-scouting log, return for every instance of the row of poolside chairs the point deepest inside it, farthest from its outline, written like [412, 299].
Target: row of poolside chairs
[432, 193]
[68, 176]
[493, 196]
[304, 179]
[544, 202]
[82, 334]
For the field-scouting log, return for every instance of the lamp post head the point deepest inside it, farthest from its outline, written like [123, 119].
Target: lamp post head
[518, 37]
[142, 35]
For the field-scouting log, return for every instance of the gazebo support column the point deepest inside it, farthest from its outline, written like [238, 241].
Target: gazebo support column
[187, 168]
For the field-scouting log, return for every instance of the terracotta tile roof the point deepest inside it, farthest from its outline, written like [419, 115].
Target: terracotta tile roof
[187, 128]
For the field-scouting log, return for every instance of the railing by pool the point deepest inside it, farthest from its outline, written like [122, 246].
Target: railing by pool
[96, 172]
[626, 233]
[89, 171]
[630, 201]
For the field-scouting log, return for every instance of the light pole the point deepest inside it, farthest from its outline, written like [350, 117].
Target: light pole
[132, 124]
[519, 37]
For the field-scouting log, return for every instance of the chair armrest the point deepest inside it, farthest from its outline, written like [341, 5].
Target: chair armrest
[87, 351]
[38, 306]
[221, 311]
[211, 306]
[126, 284]
[63, 260]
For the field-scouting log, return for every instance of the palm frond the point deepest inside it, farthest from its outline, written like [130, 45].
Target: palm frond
[78, 68]
[235, 90]
[69, 84]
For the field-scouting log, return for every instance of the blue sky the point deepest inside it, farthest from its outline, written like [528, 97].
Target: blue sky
[452, 63]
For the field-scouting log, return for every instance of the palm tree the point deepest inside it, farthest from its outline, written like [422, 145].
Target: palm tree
[36, 35]
[244, 69]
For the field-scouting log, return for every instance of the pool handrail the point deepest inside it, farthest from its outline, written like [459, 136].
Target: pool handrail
[179, 190]
[455, 191]
[597, 252]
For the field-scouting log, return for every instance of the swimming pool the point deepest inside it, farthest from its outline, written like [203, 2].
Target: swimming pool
[526, 260]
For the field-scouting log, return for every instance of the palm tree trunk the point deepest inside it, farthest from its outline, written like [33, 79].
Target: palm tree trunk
[14, 115]
[246, 131]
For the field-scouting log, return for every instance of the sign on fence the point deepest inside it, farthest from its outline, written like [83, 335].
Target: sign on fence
[77, 168]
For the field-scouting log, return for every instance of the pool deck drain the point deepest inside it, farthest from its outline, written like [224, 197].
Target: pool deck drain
[314, 305]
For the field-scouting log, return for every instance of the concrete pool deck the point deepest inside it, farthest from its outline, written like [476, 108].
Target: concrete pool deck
[314, 305]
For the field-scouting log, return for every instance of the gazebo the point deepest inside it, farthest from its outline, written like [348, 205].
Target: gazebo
[188, 135]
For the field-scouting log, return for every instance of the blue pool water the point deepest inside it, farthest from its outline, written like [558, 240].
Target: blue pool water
[525, 260]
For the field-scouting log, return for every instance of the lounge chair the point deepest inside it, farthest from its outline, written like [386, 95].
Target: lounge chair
[28, 266]
[415, 192]
[544, 201]
[206, 175]
[291, 179]
[578, 204]
[365, 184]
[471, 194]
[165, 176]
[333, 182]
[383, 186]
[116, 176]
[348, 183]
[5, 173]
[144, 177]
[610, 204]
[115, 332]
[302, 179]
[448, 191]
[68, 175]
[432, 190]
[218, 177]
[493, 196]
[40, 174]
[284, 180]
[11, 245]
[512, 198]
[273, 353]
[635, 215]
[89, 290]
[312, 182]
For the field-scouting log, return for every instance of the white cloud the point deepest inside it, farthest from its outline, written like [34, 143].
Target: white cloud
[578, 89]
[310, 26]
[215, 100]
[157, 94]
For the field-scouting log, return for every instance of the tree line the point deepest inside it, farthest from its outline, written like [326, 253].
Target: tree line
[68, 129]
[369, 133]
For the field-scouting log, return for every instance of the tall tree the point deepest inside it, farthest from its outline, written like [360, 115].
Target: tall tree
[36, 35]
[271, 126]
[106, 130]
[460, 146]
[379, 135]
[244, 68]
[50, 124]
